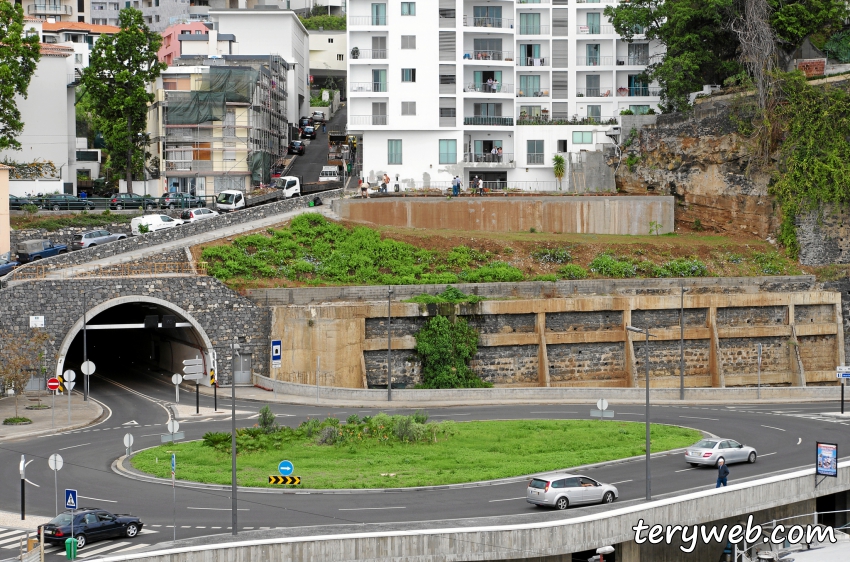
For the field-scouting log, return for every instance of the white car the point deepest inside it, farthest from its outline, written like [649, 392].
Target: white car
[710, 451]
[329, 173]
[563, 490]
[318, 117]
[193, 215]
[153, 223]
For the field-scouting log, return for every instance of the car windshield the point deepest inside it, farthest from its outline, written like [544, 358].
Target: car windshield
[538, 483]
[226, 198]
[61, 519]
[308, 129]
[78, 237]
[706, 444]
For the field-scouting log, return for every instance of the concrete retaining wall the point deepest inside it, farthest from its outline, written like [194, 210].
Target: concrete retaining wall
[573, 214]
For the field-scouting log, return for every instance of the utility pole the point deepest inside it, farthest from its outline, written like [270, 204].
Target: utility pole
[389, 344]
[682, 346]
[648, 472]
[235, 348]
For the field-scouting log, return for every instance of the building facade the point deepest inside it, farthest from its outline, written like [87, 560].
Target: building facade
[487, 88]
[170, 48]
[328, 58]
[158, 14]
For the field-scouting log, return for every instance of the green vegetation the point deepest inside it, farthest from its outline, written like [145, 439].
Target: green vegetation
[325, 22]
[446, 347]
[402, 451]
[572, 272]
[620, 267]
[552, 255]
[52, 223]
[838, 46]
[18, 60]
[559, 168]
[16, 420]
[450, 295]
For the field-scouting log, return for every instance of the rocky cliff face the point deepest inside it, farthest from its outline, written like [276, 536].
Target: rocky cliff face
[702, 160]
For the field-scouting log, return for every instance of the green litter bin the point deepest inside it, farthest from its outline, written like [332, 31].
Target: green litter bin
[71, 548]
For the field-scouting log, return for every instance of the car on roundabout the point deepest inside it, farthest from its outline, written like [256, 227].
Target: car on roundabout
[564, 490]
[90, 524]
[709, 451]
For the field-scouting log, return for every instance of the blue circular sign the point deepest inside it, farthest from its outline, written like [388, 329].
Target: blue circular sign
[285, 468]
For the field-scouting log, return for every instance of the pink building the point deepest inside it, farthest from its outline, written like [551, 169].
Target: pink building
[170, 49]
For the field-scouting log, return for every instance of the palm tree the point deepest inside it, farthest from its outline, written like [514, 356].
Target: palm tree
[559, 166]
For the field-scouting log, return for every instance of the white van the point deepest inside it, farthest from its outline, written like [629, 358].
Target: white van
[329, 173]
[153, 222]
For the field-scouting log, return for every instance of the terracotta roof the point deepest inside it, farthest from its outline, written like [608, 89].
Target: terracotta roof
[31, 18]
[53, 50]
[80, 26]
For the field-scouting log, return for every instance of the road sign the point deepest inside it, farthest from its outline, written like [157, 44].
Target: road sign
[276, 353]
[176, 379]
[53, 384]
[602, 413]
[193, 370]
[194, 377]
[187, 362]
[69, 386]
[289, 480]
[842, 369]
[70, 499]
[55, 461]
[171, 437]
[844, 375]
[173, 426]
[36, 321]
[285, 468]
[602, 404]
[87, 368]
[69, 375]
[128, 440]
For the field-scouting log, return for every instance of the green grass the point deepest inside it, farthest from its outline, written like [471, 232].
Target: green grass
[476, 451]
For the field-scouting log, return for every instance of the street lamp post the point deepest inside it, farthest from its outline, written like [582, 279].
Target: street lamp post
[389, 344]
[85, 343]
[233, 504]
[682, 346]
[648, 473]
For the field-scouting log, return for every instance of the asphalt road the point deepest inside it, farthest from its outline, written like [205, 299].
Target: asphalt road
[315, 156]
[784, 435]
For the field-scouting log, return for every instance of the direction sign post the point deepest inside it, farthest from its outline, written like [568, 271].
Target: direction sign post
[55, 464]
[843, 372]
[195, 367]
[53, 385]
[71, 503]
[602, 411]
[69, 377]
[173, 489]
[128, 443]
[285, 468]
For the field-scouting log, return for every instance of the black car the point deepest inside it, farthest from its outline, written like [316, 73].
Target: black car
[180, 201]
[90, 524]
[7, 265]
[131, 201]
[305, 122]
[68, 203]
[308, 133]
[297, 147]
[16, 203]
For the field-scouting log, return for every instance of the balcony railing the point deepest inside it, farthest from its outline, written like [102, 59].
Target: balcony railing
[367, 20]
[189, 165]
[489, 121]
[532, 93]
[488, 158]
[534, 158]
[639, 91]
[49, 9]
[595, 29]
[533, 30]
[562, 118]
[633, 61]
[594, 61]
[370, 54]
[368, 119]
[485, 88]
[501, 23]
[600, 92]
[354, 87]
[531, 61]
[488, 55]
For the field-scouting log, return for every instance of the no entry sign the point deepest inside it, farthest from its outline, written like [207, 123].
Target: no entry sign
[53, 384]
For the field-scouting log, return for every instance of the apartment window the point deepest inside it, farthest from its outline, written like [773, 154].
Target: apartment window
[394, 151]
[408, 41]
[78, 58]
[113, 5]
[408, 108]
[535, 151]
[448, 151]
[81, 5]
[562, 145]
[408, 75]
[198, 32]
[99, 21]
[639, 109]
[448, 112]
[582, 137]
[408, 8]
[340, 57]
[330, 40]
[156, 18]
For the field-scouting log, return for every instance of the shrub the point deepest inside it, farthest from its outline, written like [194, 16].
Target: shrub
[329, 435]
[545, 277]
[685, 267]
[353, 419]
[408, 430]
[606, 265]
[16, 420]
[420, 416]
[310, 427]
[266, 420]
[770, 263]
[572, 272]
[698, 225]
[450, 295]
[626, 112]
[144, 229]
[446, 349]
[552, 255]
[218, 440]
[498, 271]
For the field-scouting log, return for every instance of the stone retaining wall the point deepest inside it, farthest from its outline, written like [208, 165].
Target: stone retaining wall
[63, 235]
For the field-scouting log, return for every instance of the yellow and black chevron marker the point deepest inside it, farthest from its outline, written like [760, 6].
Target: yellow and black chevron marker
[284, 480]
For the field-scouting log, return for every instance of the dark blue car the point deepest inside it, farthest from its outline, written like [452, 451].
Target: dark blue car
[90, 524]
[7, 265]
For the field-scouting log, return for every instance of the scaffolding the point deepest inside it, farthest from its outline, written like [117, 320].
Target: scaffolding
[236, 105]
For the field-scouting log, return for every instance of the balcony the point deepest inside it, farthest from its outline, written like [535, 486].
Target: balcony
[488, 160]
[485, 88]
[531, 61]
[355, 87]
[533, 30]
[368, 54]
[49, 10]
[485, 56]
[367, 20]
[640, 91]
[532, 94]
[499, 23]
[368, 120]
[600, 92]
[595, 30]
[562, 118]
[632, 61]
[489, 121]
[189, 165]
[594, 61]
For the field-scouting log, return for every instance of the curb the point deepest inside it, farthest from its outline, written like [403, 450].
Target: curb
[64, 429]
[119, 468]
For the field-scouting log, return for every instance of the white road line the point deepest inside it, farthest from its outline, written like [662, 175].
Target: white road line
[98, 499]
[449, 415]
[687, 469]
[10, 533]
[621, 482]
[113, 546]
[507, 499]
[630, 414]
[152, 434]
[154, 525]
[74, 446]
[552, 412]
[219, 508]
[693, 418]
[28, 462]
[367, 508]
[32, 483]
[139, 545]
[215, 527]
[21, 534]
[768, 454]
[799, 440]
[771, 427]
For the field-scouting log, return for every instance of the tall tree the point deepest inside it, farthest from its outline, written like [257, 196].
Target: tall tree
[116, 82]
[19, 55]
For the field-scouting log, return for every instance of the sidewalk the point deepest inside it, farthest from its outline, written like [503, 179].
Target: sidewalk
[11, 520]
[43, 422]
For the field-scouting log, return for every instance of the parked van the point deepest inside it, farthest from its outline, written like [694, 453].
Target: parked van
[153, 222]
[329, 173]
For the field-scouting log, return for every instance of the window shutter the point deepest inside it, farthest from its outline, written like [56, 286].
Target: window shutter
[447, 45]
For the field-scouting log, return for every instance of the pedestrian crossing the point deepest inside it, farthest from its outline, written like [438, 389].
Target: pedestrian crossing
[10, 544]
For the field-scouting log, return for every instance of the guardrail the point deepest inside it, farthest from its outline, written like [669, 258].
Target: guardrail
[488, 55]
[485, 88]
[60, 203]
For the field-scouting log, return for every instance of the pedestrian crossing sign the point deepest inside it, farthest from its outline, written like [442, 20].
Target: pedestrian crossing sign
[70, 499]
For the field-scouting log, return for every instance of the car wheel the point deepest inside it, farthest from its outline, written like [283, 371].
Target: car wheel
[122, 237]
[718, 461]
[752, 458]
[132, 530]
[608, 497]
[63, 252]
[693, 464]
[562, 503]
[119, 207]
[149, 207]
[91, 245]
[171, 206]
[36, 258]
[81, 541]
[56, 207]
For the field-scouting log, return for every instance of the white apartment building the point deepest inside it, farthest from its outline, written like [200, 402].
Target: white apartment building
[436, 86]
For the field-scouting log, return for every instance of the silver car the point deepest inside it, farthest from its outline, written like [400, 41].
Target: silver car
[710, 451]
[94, 238]
[563, 490]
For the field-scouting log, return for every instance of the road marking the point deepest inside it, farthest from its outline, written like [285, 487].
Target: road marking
[552, 412]
[98, 499]
[9, 533]
[621, 482]
[87, 553]
[140, 545]
[507, 499]
[768, 454]
[449, 415]
[693, 418]
[215, 527]
[687, 469]
[218, 508]
[799, 440]
[32, 483]
[367, 508]
[73, 446]
[771, 427]
[631, 414]
[28, 462]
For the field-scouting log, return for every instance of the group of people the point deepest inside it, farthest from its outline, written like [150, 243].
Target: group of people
[475, 184]
[492, 85]
[364, 187]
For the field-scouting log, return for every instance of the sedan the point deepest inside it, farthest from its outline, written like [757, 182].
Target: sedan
[563, 490]
[710, 451]
[121, 201]
[17, 203]
[68, 202]
[94, 238]
[90, 524]
[308, 133]
[7, 265]
[318, 117]
[297, 147]
[192, 215]
[180, 201]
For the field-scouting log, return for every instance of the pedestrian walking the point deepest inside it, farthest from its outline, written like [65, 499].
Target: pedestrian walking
[722, 473]
[386, 183]
[324, 128]
[456, 186]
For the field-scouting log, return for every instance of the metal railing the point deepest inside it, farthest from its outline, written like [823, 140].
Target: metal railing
[600, 92]
[369, 54]
[532, 61]
[49, 9]
[488, 157]
[189, 165]
[501, 23]
[354, 87]
[640, 91]
[532, 94]
[368, 119]
[485, 88]
[533, 30]
[489, 121]
[633, 61]
[367, 20]
[594, 61]
[488, 55]
[595, 29]
[562, 118]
